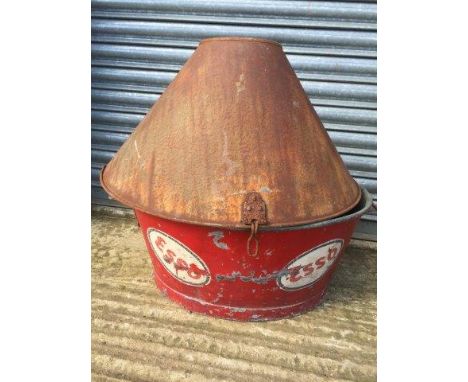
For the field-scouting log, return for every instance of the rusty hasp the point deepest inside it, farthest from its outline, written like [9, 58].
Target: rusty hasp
[254, 209]
[244, 203]
[253, 214]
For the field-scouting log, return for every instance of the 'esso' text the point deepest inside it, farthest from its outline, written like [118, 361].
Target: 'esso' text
[307, 268]
[180, 261]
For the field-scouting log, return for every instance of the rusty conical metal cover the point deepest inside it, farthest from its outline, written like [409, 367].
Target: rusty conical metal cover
[235, 122]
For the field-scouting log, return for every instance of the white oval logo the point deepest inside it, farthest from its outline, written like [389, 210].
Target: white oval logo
[179, 261]
[308, 267]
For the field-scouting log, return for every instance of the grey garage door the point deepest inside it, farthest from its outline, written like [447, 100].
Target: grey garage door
[139, 46]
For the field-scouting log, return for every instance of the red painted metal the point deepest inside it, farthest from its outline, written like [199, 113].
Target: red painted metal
[208, 270]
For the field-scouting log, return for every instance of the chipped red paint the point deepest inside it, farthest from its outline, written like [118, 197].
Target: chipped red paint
[208, 270]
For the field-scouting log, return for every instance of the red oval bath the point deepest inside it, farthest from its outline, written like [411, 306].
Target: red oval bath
[208, 269]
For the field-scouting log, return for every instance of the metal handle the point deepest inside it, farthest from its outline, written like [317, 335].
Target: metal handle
[253, 213]
[253, 235]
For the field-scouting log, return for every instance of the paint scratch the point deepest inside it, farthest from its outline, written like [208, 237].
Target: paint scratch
[219, 295]
[240, 85]
[217, 236]
[240, 310]
[137, 151]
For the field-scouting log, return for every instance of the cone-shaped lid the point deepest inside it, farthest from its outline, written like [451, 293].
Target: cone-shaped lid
[235, 120]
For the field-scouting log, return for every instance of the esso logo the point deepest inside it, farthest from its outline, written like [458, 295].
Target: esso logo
[307, 268]
[179, 261]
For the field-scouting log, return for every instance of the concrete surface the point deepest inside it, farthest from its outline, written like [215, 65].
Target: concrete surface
[140, 335]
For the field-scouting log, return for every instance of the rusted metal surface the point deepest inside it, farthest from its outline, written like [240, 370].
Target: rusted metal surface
[234, 120]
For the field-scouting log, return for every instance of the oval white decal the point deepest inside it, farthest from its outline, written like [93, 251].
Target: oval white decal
[308, 267]
[179, 261]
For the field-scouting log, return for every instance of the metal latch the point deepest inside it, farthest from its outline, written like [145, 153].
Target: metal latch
[253, 213]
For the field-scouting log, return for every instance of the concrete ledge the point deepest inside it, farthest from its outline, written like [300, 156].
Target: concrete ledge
[140, 335]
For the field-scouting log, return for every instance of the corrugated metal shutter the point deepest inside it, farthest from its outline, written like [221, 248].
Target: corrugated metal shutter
[138, 47]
